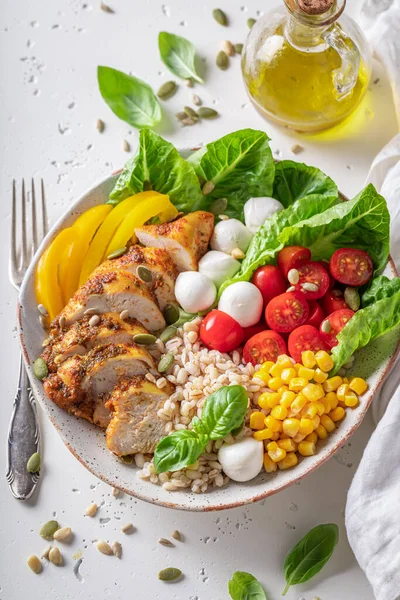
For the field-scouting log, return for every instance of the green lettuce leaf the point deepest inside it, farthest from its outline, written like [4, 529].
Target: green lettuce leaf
[380, 288]
[240, 165]
[294, 181]
[158, 163]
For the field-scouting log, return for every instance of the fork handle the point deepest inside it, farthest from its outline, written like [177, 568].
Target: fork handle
[23, 439]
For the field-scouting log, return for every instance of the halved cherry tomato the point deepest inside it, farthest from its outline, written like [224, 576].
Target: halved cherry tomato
[351, 266]
[316, 314]
[304, 338]
[314, 273]
[269, 281]
[337, 320]
[220, 332]
[292, 257]
[253, 329]
[325, 264]
[333, 300]
[267, 345]
[287, 311]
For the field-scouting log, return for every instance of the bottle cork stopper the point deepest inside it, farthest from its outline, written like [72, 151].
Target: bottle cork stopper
[315, 7]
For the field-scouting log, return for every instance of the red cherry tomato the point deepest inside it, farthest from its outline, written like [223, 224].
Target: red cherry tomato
[316, 314]
[269, 281]
[292, 257]
[337, 320]
[333, 300]
[220, 332]
[253, 329]
[312, 273]
[267, 345]
[304, 338]
[351, 266]
[287, 311]
[325, 264]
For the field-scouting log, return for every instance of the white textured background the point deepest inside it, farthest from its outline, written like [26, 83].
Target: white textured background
[49, 103]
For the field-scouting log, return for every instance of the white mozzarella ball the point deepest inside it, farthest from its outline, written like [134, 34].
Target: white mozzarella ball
[243, 302]
[258, 210]
[218, 266]
[242, 460]
[230, 234]
[194, 291]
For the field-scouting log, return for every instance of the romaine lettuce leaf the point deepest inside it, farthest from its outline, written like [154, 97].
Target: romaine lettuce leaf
[294, 181]
[380, 288]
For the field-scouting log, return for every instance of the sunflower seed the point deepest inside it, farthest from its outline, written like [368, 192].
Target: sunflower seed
[90, 311]
[218, 206]
[106, 8]
[325, 326]
[93, 321]
[126, 146]
[167, 334]
[34, 563]
[220, 16]
[224, 217]
[62, 534]
[171, 313]
[144, 274]
[100, 125]
[164, 542]
[33, 464]
[293, 276]
[104, 548]
[55, 557]
[124, 315]
[91, 510]
[144, 339]
[207, 113]
[46, 551]
[165, 362]
[42, 309]
[237, 253]
[169, 574]
[181, 115]
[309, 287]
[222, 60]
[40, 369]
[189, 82]
[188, 122]
[250, 23]
[62, 322]
[48, 530]
[177, 535]
[208, 187]
[297, 149]
[46, 342]
[116, 549]
[167, 90]
[352, 298]
[291, 289]
[227, 47]
[116, 492]
[117, 253]
[238, 48]
[127, 529]
[196, 100]
[43, 322]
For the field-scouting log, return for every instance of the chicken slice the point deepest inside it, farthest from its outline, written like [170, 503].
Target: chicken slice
[114, 290]
[186, 239]
[135, 425]
[82, 337]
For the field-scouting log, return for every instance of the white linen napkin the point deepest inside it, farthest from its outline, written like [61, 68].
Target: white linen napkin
[373, 502]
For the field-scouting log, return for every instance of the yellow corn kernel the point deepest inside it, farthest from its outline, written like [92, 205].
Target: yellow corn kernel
[328, 423]
[327, 405]
[297, 366]
[351, 400]
[263, 434]
[306, 373]
[299, 437]
[288, 444]
[308, 359]
[283, 389]
[287, 398]
[263, 376]
[268, 400]
[298, 403]
[288, 374]
[342, 391]
[324, 361]
[346, 380]
[332, 384]
[275, 453]
[275, 383]
[321, 432]
[320, 376]
[291, 426]
[306, 448]
[306, 426]
[297, 384]
[273, 424]
[309, 411]
[289, 461]
[320, 407]
[358, 385]
[332, 398]
[312, 392]
[279, 412]
[269, 464]
[316, 421]
[284, 436]
[275, 436]
[284, 361]
[276, 370]
[312, 437]
[265, 367]
[257, 420]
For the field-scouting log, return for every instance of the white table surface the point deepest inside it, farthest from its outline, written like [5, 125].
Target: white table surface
[49, 103]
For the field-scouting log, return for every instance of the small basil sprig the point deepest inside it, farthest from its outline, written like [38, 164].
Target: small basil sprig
[223, 412]
[178, 54]
[310, 554]
[244, 586]
[130, 98]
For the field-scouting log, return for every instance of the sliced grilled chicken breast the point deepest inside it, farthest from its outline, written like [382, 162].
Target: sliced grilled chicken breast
[135, 425]
[186, 239]
[114, 290]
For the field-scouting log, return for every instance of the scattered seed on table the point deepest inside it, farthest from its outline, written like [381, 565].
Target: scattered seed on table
[208, 187]
[33, 464]
[48, 530]
[43, 311]
[189, 82]
[93, 321]
[100, 125]
[62, 534]
[222, 60]
[181, 115]
[104, 548]
[220, 17]
[116, 492]
[238, 48]
[196, 100]
[296, 149]
[250, 23]
[164, 542]
[55, 557]
[106, 8]
[167, 90]
[169, 574]
[177, 535]
[188, 122]
[34, 563]
[192, 114]
[207, 113]
[116, 549]
[45, 553]
[126, 146]
[227, 47]
[127, 529]
[91, 510]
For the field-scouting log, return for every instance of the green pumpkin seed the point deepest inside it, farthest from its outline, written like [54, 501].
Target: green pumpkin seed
[238, 48]
[165, 362]
[147, 186]
[117, 253]
[208, 187]
[352, 298]
[169, 574]
[192, 114]
[167, 90]
[33, 464]
[144, 339]
[220, 17]
[218, 206]
[48, 530]
[171, 313]
[144, 274]
[222, 60]
[250, 23]
[167, 334]
[207, 113]
[40, 368]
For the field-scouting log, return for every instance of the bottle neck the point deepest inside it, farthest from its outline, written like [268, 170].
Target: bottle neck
[304, 37]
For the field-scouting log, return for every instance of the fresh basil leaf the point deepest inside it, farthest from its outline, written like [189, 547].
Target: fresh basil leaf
[198, 426]
[381, 287]
[224, 410]
[178, 54]
[310, 554]
[294, 181]
[243, 586]
[130, 98]
[178, 450]
[240, 165]
[158, 162]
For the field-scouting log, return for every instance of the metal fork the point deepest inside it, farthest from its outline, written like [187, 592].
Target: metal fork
[23, 434]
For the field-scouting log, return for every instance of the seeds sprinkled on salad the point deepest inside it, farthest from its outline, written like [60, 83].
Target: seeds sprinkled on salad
[208, 187]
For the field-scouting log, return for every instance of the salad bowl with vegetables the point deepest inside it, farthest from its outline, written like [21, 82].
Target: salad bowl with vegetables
[217, 324]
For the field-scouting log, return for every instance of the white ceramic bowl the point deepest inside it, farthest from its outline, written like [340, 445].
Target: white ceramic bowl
[87, 442]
